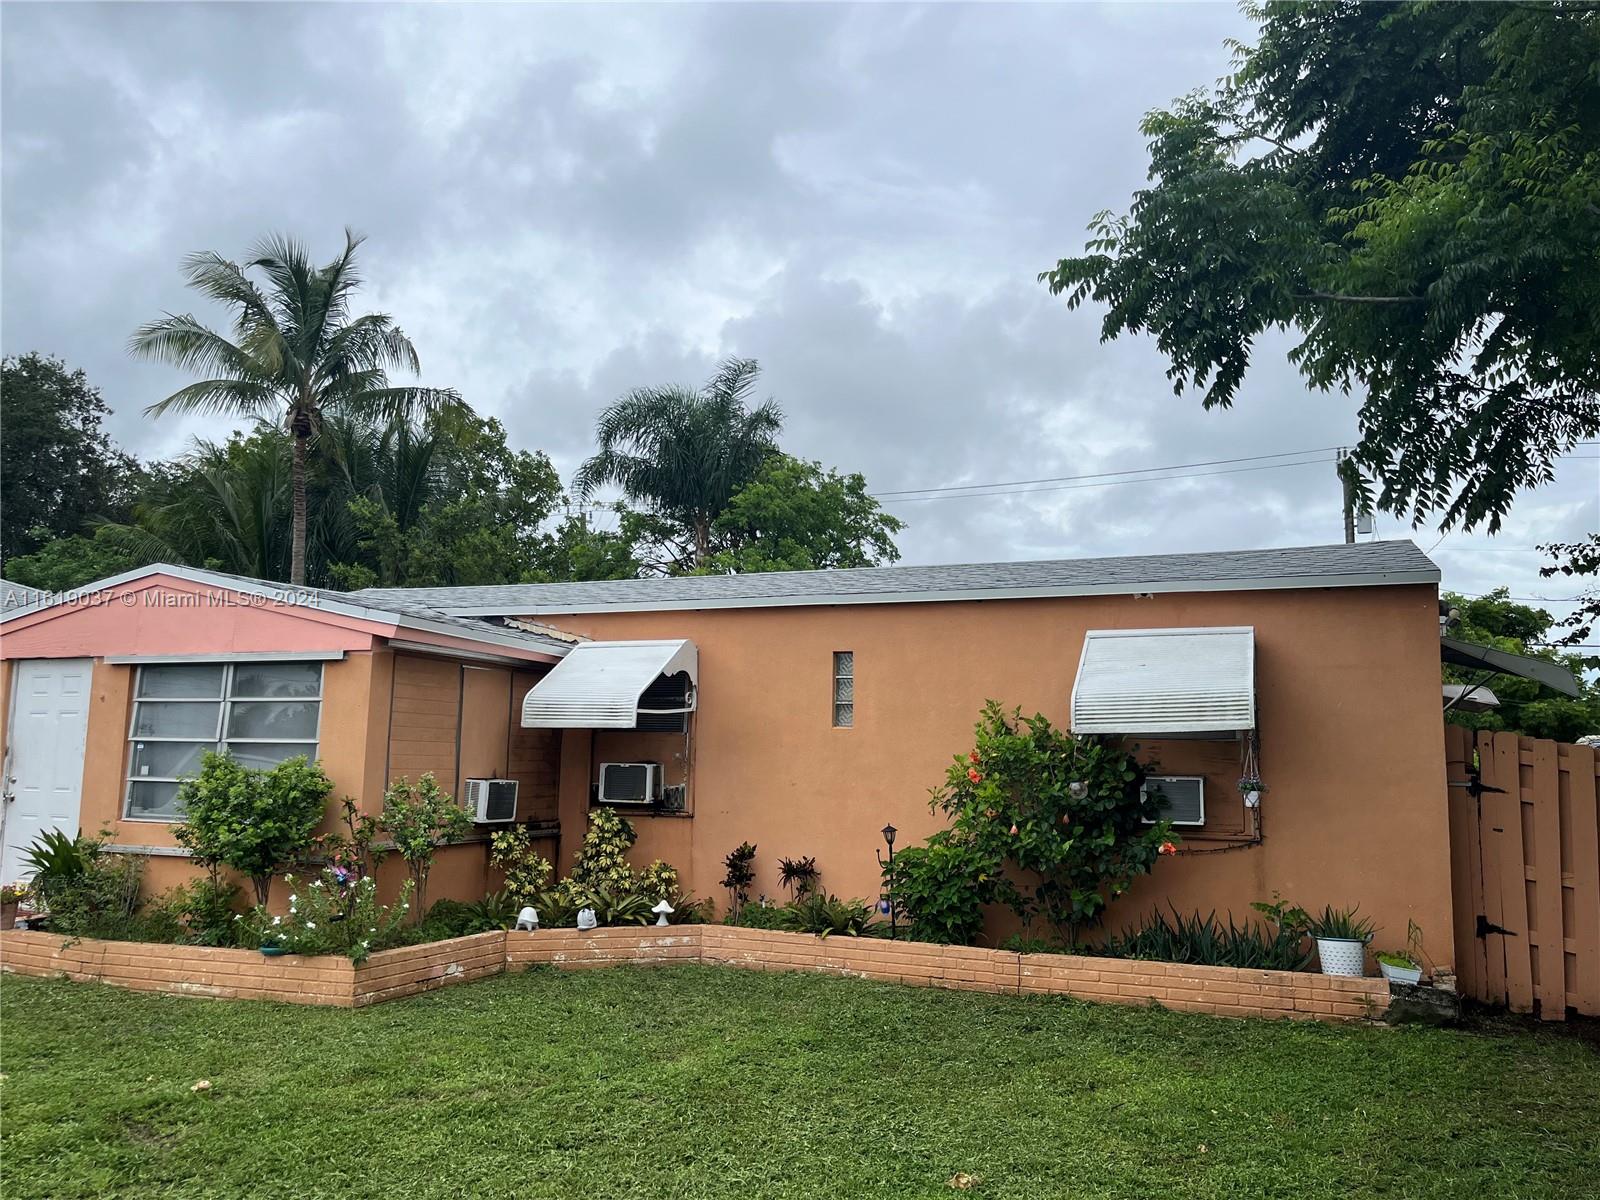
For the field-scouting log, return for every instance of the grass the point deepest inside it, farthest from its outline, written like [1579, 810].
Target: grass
[704, 1082]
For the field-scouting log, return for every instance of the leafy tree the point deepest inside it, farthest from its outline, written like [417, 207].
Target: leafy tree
[444, 503]
[682, 454]
[1576, 560]
[1415, 190]
[580, 550]
[296, 354]
[794, 516]
[1525, 706]
[70, 562]
[419, 819]
[59, 471]
[253, 821]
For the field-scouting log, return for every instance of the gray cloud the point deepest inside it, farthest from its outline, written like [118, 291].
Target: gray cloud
[564, 202]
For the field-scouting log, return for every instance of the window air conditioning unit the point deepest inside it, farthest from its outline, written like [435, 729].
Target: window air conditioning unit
[1183, 797]
[629, 783]
[491, 801]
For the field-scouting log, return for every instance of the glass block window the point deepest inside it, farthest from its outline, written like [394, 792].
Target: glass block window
[844, 689]
[260, 712]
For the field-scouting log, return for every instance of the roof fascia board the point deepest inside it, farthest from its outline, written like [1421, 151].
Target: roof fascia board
[1375, 579]
[243, 656]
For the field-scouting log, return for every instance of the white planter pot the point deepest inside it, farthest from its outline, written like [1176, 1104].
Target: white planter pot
[1401, 974]
[1342, 956]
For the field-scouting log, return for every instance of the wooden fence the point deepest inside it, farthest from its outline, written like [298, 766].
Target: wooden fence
[1525, 870]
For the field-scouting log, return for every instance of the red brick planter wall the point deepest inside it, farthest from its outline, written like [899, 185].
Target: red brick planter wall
[391, 974]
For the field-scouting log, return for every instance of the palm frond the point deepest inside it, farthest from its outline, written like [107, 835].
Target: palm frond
[398, 403]
[182, 341]
[230, 397]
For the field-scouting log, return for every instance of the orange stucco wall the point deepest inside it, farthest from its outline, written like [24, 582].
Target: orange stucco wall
[1352, 744]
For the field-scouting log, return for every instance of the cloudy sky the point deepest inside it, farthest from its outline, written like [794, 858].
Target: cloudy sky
[564, 202]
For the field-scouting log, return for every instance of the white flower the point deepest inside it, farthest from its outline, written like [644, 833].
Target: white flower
[293, 897]
[311, 924]
[316, 883]
[277, 920]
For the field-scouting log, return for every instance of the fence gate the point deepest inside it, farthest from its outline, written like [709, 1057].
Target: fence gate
[1525, 871]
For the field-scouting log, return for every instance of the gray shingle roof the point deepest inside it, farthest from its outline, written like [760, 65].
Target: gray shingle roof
[15, 595]
[1364, 564]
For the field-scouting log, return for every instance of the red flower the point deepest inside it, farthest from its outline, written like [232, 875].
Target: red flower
[972, 774]
[973, 757]
[1013, 831]
[1168, 848]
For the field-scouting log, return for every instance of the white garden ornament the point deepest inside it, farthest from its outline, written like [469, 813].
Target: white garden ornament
[661, 910]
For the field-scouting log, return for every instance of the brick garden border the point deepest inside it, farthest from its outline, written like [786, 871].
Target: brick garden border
[410, 970]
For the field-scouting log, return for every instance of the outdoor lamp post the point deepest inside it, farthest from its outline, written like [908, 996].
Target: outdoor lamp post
[888, 836]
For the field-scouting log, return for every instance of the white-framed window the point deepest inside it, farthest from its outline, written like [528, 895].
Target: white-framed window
[1182, 798]
[260, 712]
[844, 689]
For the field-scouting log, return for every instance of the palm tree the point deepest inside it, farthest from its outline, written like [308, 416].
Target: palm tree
[682, 453]
[295, 356]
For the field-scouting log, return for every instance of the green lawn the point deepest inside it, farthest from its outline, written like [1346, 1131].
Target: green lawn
[705, 1082]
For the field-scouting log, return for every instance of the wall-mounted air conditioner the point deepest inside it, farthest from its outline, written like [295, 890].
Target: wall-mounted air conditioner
[491, 801]
[1183, 798]
[629, 783]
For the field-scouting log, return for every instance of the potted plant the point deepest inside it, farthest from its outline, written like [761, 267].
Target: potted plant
[1251, 787]
[1404, 966]
[11, 895]
[1342, 939]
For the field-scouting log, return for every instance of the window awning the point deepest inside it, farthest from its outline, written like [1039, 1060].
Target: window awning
[599, 685]
[1154, 682]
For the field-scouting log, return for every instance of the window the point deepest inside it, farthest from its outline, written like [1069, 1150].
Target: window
[260, 712]
[844, 689]
[1182, 798]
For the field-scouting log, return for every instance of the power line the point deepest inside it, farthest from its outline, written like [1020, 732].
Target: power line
[1215, 462]
[1067, 487]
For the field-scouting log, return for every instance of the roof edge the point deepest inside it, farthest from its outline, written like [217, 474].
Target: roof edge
[1272, 583]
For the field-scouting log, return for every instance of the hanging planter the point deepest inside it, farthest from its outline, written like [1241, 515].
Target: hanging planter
[1251, 788]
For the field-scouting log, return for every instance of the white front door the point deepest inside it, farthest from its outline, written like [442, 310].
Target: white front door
[44, 786]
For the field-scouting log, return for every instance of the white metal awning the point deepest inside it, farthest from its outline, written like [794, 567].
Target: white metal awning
[1153, 682]
[598, 685]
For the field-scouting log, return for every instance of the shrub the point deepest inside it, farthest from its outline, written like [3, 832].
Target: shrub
[497, 910]
[798, 875]
[527, 871]
[819, 914]
[102, 901]
[57, 860]
[739, 874]
[198, 913]
[1067, 814]
[659, 881]
[419, 819]
[602, 864]
[254, 821]
[1206, 941]
[356, 849]
[335, 913]
[825, 915]
[942, 886]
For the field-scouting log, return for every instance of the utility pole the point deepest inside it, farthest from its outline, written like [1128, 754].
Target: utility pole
[1349, 498]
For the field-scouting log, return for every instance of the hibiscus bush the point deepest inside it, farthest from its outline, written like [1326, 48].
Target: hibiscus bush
[1051, 825]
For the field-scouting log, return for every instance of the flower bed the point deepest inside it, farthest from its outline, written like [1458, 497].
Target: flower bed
[391, 974]
[224, 974]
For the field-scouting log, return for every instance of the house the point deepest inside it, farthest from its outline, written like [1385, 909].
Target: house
[803, 712]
